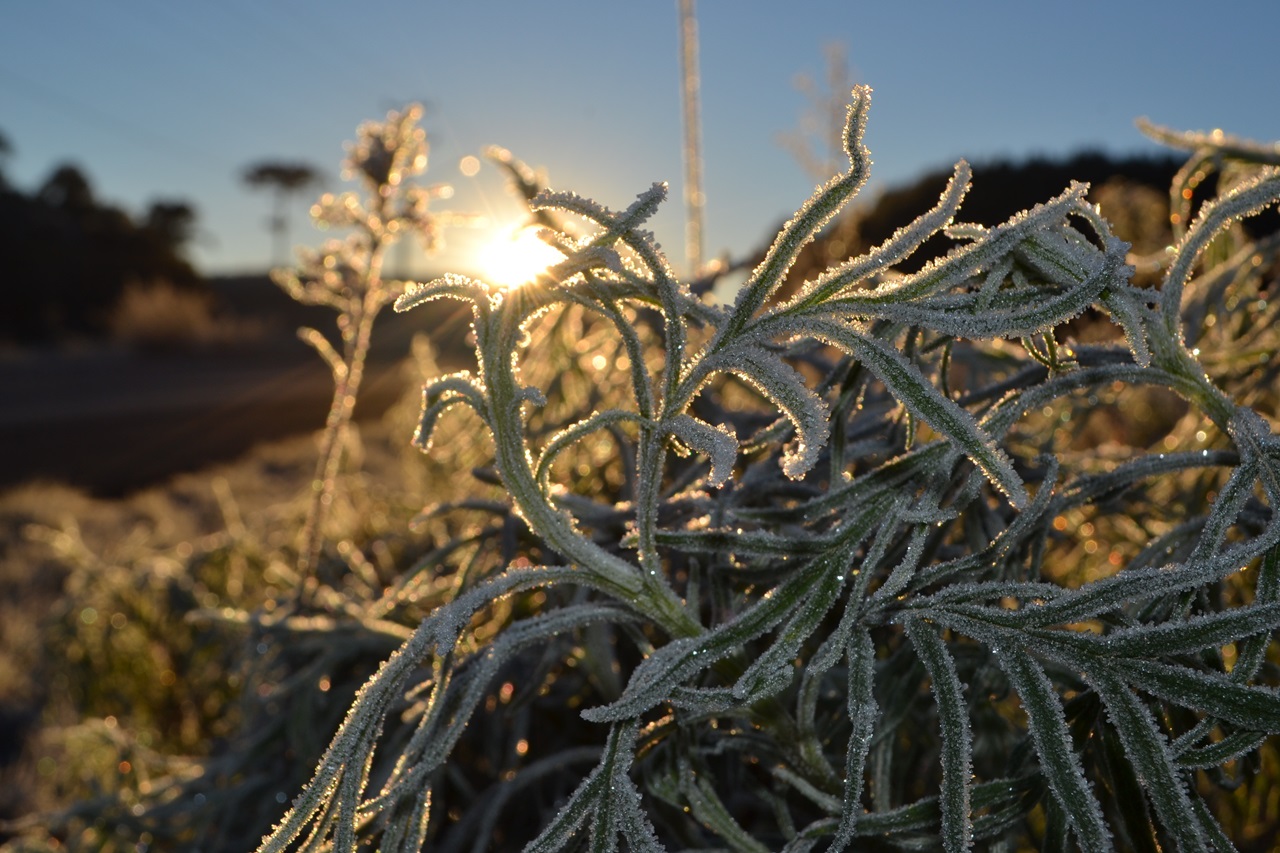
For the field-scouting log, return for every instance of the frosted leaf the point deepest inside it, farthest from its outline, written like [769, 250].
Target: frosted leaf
[1182, 637]
[774, 669]
[1128, 308]
[905, 569]
[681, 659]
[807, 789]
[1221, 143]
[353, 742]
[531, 394]
[983, 624]
[448, 621]
[449, 286]
[1232, 747]
[1226, 508]
[570, 435]
[957, 738]
[1088, 488]
[614, 224]
[442, 394]
[962, 264]
[992, 282]
[863, 712]
[1244, 200]
[1058, 760]
[703, 700]
[1105, 595]
[635, 824]
[785, 388]
[710, 811]
[905, 381]
[743, 543]
[1023, 313]
[447, 718]
[1256, 708]
[903, 242]
[717, 443]
[804, 226]
[1147, 750]
[562, 828]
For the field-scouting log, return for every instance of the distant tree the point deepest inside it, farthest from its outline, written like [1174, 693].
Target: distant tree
[285, 180]
[69, 257]
[6, 150]
[173, 222]
[67, 189]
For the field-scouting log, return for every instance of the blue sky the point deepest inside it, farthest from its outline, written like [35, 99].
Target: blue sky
[172, 98]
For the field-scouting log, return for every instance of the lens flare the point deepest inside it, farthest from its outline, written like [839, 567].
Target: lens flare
[517, 257]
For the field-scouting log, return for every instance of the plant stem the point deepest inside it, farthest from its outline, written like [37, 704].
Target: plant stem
[341, 409]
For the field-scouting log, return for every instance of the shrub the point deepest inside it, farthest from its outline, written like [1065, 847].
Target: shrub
[828, 569]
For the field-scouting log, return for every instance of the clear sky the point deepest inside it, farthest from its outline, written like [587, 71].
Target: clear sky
[173, 98]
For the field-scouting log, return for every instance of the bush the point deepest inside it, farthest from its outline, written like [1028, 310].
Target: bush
[904, 609]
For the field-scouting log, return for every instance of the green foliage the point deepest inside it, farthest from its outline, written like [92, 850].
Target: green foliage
[901, 572]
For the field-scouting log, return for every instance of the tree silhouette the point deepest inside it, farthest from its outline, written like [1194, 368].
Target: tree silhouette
[69, 256]
[6, 149]
[284, 180]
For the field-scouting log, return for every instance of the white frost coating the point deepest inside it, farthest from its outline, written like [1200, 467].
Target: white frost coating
[905, 381]
[957, 737]
[899, 246]
[448, 286]
[1223, 143]
[782, 385]
[717, 443]
[1247, 199]
[1061, 766]
[443, 393]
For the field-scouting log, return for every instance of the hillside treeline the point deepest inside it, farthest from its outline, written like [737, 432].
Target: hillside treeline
[69, 256]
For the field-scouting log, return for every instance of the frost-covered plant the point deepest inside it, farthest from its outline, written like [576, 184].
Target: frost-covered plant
[855, 589]
[347, 276]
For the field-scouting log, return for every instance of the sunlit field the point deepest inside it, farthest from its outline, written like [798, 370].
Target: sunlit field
[946, 520]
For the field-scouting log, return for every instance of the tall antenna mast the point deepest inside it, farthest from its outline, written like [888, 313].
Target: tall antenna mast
[693, 197]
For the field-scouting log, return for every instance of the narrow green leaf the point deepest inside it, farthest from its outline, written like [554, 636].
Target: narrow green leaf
[1212, 829]
[1256, 708]
[449, 286]
[681, 659]
[905, 381]
[718, 443]
[862, 713]
[1058, 760]
[957, 737]
[442, 394]
[1245, 200]
[708, 808]
[574, 433]
[903, 242]
[807, 222]
[1233, 746]
[1147, 749]
[1186, 636]
[770, 671]
[785, 388]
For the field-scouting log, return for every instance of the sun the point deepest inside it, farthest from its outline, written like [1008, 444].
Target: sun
[516, 256]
